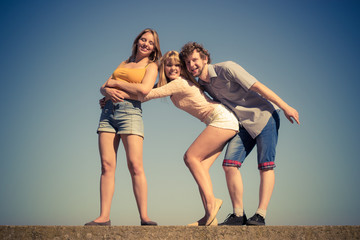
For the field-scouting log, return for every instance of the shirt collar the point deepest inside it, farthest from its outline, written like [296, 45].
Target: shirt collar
[211, 71]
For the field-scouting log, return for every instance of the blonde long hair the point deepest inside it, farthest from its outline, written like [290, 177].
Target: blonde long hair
[173, 57]
[155, 55]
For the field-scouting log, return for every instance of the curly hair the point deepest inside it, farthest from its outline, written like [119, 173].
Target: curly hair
[189, 48]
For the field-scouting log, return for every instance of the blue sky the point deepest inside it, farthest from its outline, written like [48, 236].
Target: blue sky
[56, 54]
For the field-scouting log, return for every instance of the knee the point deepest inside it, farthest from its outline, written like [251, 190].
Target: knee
[136, 168]
[267, 172]
[226, 168]
[107, 167]
[188, 159]
[230, 169]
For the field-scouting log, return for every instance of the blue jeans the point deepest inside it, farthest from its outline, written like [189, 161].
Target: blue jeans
[241, 145]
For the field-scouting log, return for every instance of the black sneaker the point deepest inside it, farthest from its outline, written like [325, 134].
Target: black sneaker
[256, 220]
[232, 220]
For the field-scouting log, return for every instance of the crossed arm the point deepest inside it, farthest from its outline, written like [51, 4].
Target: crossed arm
[290, 113]
[116, 90]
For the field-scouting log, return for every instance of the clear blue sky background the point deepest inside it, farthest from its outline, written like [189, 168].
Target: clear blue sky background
[56, 54]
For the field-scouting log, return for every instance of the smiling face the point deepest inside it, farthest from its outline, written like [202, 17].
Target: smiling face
[172, 69]
[145, 45]
[195, 64]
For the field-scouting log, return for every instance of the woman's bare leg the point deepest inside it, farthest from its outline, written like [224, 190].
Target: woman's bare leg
[210, 142]
[133, 145]
[207, 163]
[108, 145]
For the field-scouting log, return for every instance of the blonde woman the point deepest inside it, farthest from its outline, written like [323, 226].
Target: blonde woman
[121, 119]
[222, 125]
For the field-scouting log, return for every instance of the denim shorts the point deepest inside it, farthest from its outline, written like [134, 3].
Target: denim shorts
[241, 145]
[222, 117]
[122, 118]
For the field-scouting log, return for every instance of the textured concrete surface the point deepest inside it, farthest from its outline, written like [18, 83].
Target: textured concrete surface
[180, 232]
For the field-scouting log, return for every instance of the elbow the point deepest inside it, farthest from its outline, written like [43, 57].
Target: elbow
[102, 90]
[255, 87]
[144, 91]
[141, 96]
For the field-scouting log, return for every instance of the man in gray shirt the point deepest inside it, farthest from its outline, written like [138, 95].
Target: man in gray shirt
[256, 108]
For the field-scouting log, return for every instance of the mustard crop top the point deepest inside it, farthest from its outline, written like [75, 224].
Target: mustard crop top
[131, 75]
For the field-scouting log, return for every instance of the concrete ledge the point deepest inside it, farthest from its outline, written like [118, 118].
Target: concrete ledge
[179, 232]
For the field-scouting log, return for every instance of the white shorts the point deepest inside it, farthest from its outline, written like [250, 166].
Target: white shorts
[222, 117]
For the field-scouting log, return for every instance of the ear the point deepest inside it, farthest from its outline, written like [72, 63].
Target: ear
[206, 59]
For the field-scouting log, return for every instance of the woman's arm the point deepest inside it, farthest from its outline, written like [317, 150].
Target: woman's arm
[267, 93]
[115, 95]
[169, 89]
[139, 89]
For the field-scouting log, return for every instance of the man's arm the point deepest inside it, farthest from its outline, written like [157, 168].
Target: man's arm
[267, 93]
